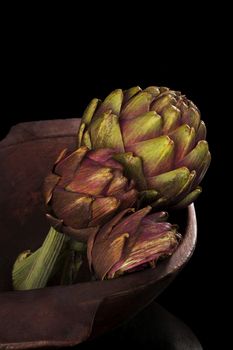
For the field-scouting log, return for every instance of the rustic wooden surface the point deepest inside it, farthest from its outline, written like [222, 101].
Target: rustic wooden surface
[59, 316]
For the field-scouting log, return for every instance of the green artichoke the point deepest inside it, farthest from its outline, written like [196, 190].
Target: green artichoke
[159, 138]
[130, 242]
[84, 190]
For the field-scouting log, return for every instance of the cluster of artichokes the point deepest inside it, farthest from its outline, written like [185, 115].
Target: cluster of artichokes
[138, 151]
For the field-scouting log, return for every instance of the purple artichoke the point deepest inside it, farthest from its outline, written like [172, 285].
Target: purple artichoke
[131, 241]
[85, 189]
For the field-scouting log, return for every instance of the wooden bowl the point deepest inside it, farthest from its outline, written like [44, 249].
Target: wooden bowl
[62, 315]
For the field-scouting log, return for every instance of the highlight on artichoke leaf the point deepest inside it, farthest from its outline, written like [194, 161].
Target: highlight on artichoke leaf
[130, 242]
[160, 139]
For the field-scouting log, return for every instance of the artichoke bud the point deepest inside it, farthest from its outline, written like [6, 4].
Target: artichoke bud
[131, 241]
[154, 131]
[85, 189]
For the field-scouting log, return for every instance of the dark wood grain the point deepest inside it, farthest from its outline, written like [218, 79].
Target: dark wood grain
[59, 316]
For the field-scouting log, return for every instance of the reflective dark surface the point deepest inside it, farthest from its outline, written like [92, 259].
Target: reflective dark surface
[152, 328]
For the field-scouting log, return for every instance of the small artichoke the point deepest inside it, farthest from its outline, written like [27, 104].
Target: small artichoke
[84, 190]
[131, 241]
[160, 140]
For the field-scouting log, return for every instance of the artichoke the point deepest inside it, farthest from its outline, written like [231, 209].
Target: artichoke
[84, 190]
[130, 242]
[159, 138]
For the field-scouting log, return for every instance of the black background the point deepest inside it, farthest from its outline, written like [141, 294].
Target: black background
[57, 77]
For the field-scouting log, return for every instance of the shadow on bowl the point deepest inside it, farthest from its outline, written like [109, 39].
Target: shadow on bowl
[62, 315]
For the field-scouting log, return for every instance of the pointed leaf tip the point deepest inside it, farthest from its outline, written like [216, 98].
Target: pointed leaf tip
[137, 105]
[112, 102]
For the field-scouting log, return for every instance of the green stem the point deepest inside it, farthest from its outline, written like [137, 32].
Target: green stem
[35, 270]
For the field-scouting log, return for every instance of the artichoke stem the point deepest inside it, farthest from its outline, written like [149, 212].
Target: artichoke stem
[35, 270]
[73, 262]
